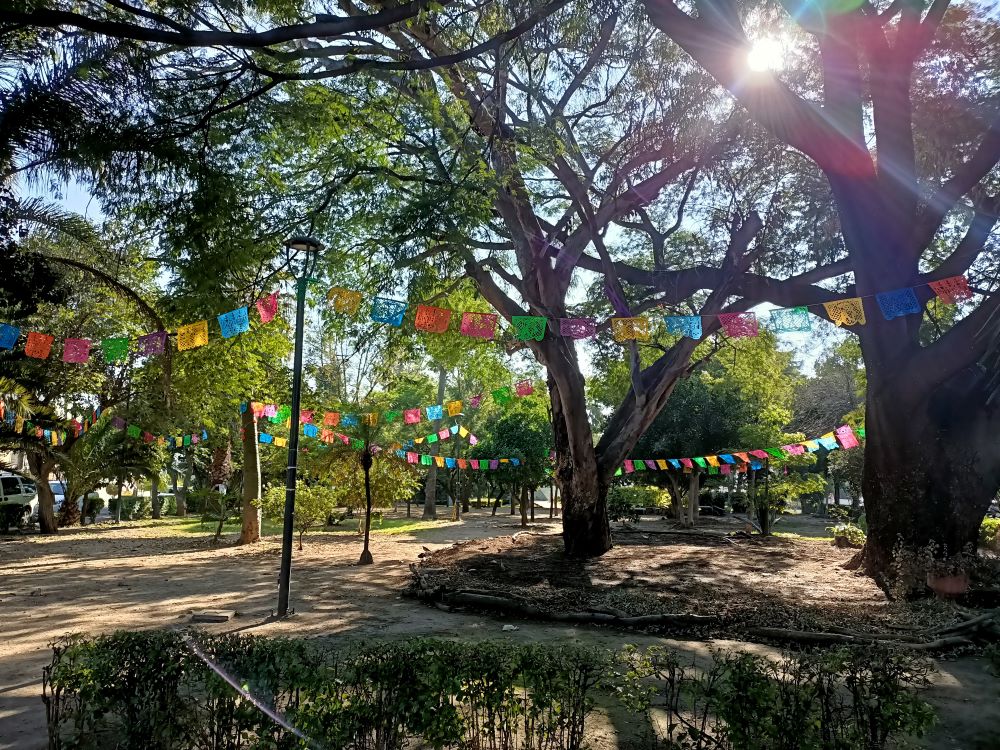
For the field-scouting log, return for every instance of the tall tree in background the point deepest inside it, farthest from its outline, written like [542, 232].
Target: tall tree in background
[904, 125]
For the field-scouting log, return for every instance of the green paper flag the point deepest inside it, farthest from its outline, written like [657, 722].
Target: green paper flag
[639, 465]
[187, 440]
[115, 350]
[357, 444]
[133, 431]
[502, 396]
[392, 416]
[701, 462]
[860, 432]
[713, 469]
[619, 472]
[776, 452]
[527, 327]
[432, 438]
[426, 460]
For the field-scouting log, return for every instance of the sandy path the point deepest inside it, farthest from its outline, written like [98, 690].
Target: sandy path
[132, 577]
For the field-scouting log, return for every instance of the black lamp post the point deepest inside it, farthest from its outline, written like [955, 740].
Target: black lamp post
[304, 252]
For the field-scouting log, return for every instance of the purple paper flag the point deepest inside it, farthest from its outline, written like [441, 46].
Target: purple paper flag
[152, 343]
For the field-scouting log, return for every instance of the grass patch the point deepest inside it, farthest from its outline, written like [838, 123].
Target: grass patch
[193, 525]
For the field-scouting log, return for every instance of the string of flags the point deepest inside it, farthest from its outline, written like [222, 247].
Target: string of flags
[724, 463]
[849, 311]
[40, 345]
[172, 442]
[279, 414]
[411, 457]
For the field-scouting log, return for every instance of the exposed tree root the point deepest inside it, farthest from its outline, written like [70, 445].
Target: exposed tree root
[976, 628]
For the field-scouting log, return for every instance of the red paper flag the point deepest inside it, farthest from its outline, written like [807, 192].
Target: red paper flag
[845, 435]
[411, 416]
[267, 307]
[331, 418]
[39, 345]
[952, 290]
[76, 351]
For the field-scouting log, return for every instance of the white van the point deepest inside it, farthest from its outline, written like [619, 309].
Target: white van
[17, 494]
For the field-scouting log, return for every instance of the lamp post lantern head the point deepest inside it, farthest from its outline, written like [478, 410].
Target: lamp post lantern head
[302, 243]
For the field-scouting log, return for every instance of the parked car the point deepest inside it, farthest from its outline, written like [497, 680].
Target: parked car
[18, 501]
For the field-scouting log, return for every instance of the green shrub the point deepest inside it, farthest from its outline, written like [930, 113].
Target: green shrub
[624, 500]
[152, 690]
[848, 535]
[133, 508]
[845, 698]
[989, 534]
[92, 507]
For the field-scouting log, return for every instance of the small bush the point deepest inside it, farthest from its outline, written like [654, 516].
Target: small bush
[623, 501]
[989, 534]
[133, 508]
[92, 507]
[848, 535]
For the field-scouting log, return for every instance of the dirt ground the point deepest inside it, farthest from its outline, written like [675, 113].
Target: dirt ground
[134, 576]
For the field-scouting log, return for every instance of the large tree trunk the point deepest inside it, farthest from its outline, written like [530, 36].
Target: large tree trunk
[694, 487]
[932, 466]
[430, 486]
[524, 505]
[250, 514]
[41, 469]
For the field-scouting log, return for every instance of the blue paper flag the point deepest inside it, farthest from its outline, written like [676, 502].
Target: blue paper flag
[829, 443]
[516, 461]
[756, 465]
[454, 429]
[450, 463]
[899, 302]
[234, 322]
[791, 320]
[310, 430]
[349, 420]
[204, 434]
[674, 462]
[684, 325]
[435, 412]
[8, 335]
[385, 310]
[243, 407]
[265, 438]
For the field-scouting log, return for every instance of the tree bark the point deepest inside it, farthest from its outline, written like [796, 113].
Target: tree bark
[250, 512]
[932, 467]
[430, 486]
[41, 469]
[181, 496]
[524, 505]
[155, 503]
[694, 487]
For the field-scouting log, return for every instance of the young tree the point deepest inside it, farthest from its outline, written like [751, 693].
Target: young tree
[883, 110]
[313, 505]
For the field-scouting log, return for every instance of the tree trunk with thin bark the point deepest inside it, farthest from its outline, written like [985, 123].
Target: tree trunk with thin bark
[694, 487]
[430, 485]
[41, 469]
[155, 501]
[250, 510]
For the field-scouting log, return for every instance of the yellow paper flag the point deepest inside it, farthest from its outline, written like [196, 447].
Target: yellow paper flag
[662, 463]
[454, 408]
[280, 442]
[846, 312]
[463, 432]
[371, 419]
[629, 329]
[439, 460]
[418, 440]
[344, 300]
[192, 336]
[712, 460]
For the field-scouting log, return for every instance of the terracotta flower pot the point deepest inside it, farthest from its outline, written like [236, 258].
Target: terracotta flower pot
[948, 586]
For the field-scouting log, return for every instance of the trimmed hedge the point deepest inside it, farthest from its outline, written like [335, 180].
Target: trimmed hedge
[159, 690]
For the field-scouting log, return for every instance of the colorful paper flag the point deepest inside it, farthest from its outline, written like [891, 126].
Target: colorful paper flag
[345, 301]
[234, 322]
[952, 290]
[791, 320]
[76, 350]
[529, 327]
[370, 419]
[115, 350]
[739, 325]
[267, 307]
[9, 335]
[899, 302]
[443, 433]
[846, 312]
[432, 438]
[524, 388]
[411, 416]
[192, 336]
[476, 400]
[392, 416]
[845, 435]
[684, 325]
[454, 408]
[479, 325]
[502, 396]
[432, 319]
[331, 418]
[629, 468]
[435, 412]
[39, 345]
[310, 430]
[577, 328]
[306, 416]
[630, 329]
[152, 343]
[386, 310]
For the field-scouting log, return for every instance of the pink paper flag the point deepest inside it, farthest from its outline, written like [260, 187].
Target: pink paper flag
[267, 307]
[475, 401]
[306, 416]
[629, 468]
[76, 351]
[411, 416]
[270, 410]
[473, 440]
[577, 328]
[739, 325]
[524, 388]
[724, 469]
[845, 435]
[411, 457]
[687, 462]
[795, 449]
[759, 453]
[479, 325]
[444, 433]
